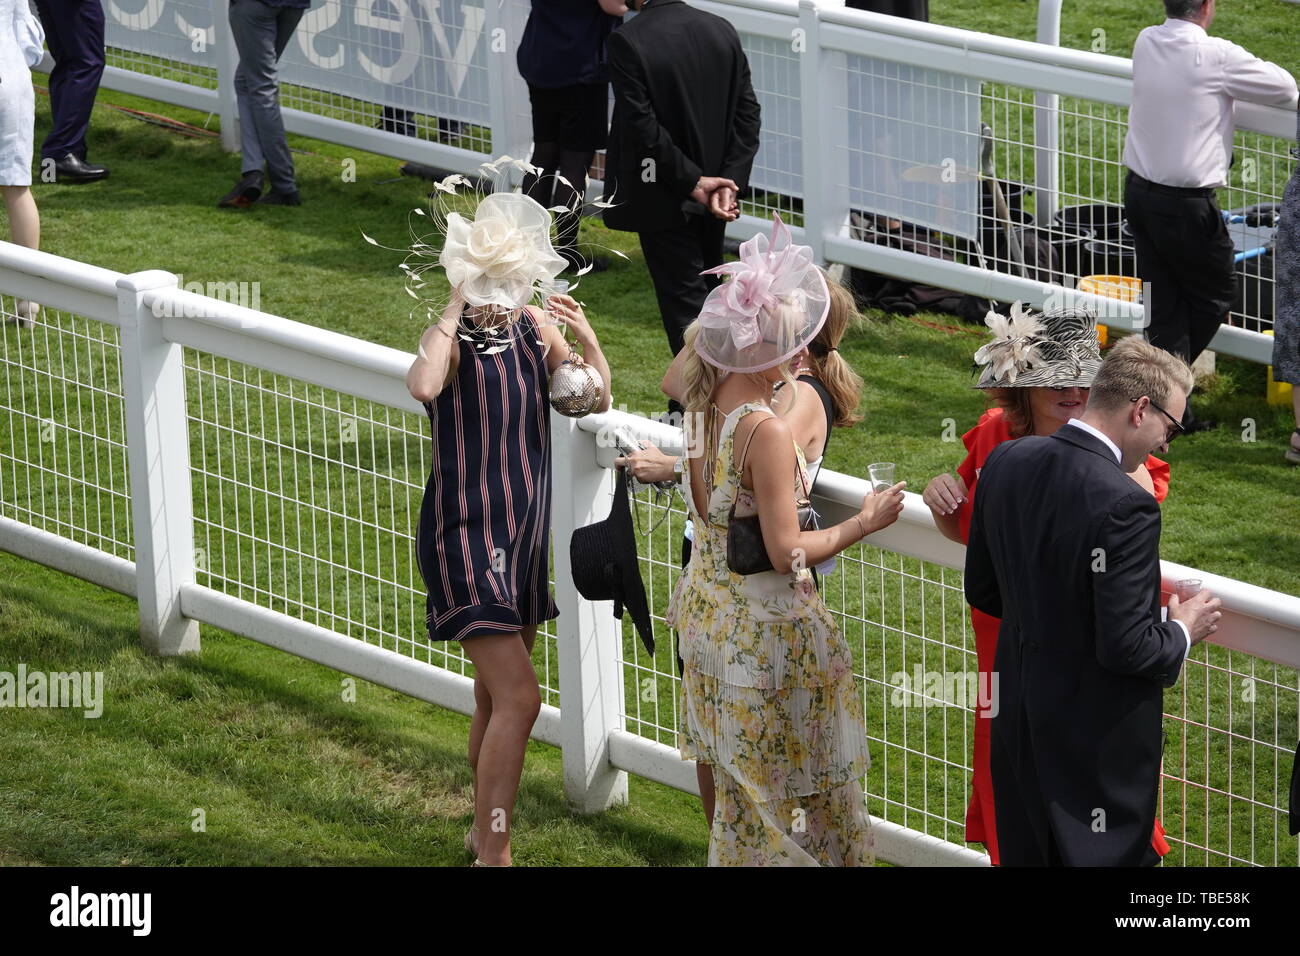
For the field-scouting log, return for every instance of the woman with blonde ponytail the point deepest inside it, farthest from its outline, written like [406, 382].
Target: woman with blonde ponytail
[827, 392]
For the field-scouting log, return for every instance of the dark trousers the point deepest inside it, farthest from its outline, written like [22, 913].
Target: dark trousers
[1185, 253]
[675, 258]
[74, 32]
[261, 32]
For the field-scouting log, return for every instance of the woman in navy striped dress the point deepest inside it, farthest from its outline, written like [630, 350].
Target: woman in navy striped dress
[484, 529]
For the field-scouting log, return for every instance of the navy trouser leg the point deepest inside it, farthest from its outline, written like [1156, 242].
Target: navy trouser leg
[74, 31]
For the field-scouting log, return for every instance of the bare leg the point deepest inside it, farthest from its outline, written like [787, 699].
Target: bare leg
[24, 220]
[25, 230]
[478, 724]
[505, 669]
[483, 706]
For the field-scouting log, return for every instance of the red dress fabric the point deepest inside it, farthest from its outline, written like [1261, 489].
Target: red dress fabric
[981, 827]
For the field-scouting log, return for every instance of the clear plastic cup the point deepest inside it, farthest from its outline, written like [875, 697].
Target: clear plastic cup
[882, 475]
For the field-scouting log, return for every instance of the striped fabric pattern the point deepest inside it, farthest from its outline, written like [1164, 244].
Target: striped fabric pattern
[484, 531]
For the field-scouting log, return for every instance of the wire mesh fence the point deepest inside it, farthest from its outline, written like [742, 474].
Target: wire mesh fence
[172, 41]
[307, 502]
[63, 457]
[888, 138]
[1230, 724]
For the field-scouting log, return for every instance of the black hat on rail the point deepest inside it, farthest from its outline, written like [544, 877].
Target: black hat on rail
[604, 562]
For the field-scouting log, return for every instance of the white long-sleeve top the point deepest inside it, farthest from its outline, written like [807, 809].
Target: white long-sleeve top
[1185, 83]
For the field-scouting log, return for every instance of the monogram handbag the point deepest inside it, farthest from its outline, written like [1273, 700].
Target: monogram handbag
[746, 552]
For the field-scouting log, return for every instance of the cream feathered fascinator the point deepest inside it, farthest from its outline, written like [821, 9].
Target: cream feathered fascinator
[495, 247]
[1057, 349]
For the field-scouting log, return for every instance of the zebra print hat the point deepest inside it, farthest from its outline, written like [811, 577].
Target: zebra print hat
[1056, 349]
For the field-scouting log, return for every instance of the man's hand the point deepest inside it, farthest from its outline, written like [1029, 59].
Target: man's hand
[723, 205]
[705, 188]
[1201, 614]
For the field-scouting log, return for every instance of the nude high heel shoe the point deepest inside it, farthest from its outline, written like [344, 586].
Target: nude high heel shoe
[25, 313]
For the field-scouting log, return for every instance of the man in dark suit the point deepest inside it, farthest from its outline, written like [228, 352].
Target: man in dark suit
[681, 146]
[1064, 548]
[74, 32]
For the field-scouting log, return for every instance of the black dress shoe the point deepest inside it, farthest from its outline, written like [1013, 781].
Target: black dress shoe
[245, 192]
[73, 169]
[277, 198]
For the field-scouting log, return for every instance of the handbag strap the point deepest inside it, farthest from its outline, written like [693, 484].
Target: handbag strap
[740, 467]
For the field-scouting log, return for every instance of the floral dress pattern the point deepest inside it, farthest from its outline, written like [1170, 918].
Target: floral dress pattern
[768, 697]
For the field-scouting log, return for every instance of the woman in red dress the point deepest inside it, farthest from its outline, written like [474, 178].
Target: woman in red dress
[1037, 370]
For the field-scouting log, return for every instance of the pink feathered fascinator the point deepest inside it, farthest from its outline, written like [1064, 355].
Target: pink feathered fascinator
[771, 305]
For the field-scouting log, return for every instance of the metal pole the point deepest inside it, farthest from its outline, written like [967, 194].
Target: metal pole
[1047, 125]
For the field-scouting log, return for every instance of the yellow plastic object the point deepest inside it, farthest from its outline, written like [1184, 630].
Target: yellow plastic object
[1124, 288]
[1276, 393]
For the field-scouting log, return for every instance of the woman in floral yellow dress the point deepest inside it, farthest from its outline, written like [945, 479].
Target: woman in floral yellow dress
[768, 695]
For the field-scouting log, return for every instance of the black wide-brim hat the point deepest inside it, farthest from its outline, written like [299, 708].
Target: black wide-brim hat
[605, 568]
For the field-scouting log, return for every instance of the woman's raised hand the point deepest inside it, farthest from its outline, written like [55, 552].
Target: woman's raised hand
[945, 494]
[648, 464]
[880, 509]
[569, 312]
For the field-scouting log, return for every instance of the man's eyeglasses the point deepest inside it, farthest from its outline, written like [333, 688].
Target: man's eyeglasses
[1170, 432]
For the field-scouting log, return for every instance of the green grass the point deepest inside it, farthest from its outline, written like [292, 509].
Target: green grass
[286, 771]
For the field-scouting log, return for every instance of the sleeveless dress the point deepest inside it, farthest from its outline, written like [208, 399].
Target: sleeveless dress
[485, 523]
[981, 822]
[768, 697]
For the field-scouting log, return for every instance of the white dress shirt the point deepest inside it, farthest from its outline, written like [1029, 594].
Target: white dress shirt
[1185, 83]
[1119, 457]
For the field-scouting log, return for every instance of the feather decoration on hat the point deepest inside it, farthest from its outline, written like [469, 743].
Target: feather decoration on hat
[1015, 343]
[494, 245]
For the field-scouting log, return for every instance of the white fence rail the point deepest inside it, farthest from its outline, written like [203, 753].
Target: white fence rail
[445, 92]
[237, 469]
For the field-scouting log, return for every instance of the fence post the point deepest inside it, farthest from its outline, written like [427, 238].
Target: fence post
[501, 35]
[227, 59]
[588, 637]
[158, 452]
[1047, 125]
[811, 75]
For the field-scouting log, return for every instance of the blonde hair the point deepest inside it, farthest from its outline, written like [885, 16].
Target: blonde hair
[842, 383]
[1134, 368]
[700, 379]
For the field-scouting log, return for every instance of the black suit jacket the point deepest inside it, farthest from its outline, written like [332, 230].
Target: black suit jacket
[684, 108]
[1064, 548]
